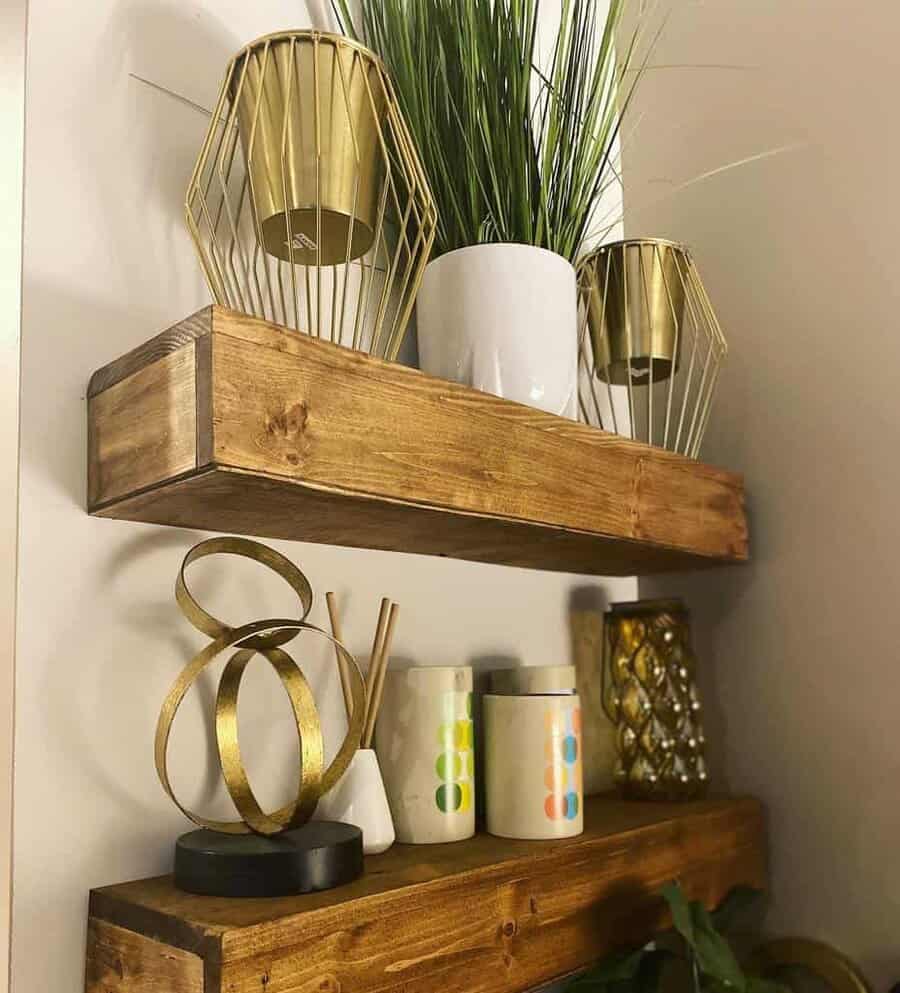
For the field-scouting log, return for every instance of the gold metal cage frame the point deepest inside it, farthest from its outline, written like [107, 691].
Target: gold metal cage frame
[308, 204]
[647, 324]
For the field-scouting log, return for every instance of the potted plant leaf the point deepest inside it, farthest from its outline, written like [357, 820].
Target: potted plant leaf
[518, 153]
[695, 958]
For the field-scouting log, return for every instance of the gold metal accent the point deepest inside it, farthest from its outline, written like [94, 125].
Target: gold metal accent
[777, 959]
[262, 637]
[308, 204]
[637, 321]
[647, 324]
[650, 695]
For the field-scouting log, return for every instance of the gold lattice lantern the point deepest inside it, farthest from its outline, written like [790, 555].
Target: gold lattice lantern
[650, 694]
[308, 204]
[650, 346]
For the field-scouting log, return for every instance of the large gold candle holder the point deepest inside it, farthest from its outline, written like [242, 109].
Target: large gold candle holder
[308, 204]
[647, 325]
[650, 694]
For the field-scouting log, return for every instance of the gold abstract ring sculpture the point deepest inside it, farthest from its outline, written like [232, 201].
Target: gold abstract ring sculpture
[264, 637]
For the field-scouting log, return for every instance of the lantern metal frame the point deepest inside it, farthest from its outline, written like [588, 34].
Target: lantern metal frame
[665, 334]
[313, 108]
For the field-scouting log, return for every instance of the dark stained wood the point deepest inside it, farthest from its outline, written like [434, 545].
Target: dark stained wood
[235, 502]
[351, 450]
[203, 391]
[120, 961]
[484, 916]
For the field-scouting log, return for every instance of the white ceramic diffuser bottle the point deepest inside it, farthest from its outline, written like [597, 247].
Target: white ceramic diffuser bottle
[359, 798]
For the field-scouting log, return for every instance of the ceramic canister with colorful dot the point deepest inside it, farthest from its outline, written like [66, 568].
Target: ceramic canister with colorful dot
[425, 749]
[533, 765]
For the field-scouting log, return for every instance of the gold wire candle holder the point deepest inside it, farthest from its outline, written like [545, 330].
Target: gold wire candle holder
[647, 325]
[308, 204]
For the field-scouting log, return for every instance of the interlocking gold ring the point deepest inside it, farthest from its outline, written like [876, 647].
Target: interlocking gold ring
[247, 549]
[259, 637]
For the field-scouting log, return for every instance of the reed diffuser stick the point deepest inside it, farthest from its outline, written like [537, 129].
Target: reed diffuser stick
[380, 672]
[376, 654]
[343, 669]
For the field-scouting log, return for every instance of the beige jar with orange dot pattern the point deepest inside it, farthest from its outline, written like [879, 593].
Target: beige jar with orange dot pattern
[533, 774]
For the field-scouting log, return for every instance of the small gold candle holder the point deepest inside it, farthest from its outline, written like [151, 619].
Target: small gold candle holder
[647, 325]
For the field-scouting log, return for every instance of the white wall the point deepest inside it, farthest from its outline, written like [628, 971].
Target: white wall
[107, 264]
[799, 252]
[12, 129]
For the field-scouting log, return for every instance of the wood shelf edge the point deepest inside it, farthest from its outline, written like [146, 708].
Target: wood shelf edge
[115, 904]
[246, 328]
[486, 915]
[222, 397]
[107, 509]
[183, 332]
[215, 319]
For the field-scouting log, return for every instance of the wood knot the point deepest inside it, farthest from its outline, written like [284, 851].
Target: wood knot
[509, 928]
[532, 903]
[288, 423]
[264, 979]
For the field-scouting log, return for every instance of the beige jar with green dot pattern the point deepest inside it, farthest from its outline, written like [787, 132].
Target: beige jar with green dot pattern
[425, 749]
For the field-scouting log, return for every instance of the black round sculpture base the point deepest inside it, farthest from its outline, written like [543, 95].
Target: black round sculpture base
[318, 856]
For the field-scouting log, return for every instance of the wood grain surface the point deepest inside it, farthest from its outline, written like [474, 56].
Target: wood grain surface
[483, 916]
[120, 961]
[173, 339]
[351, 450]
[236, 502]
[142, 431]
[598, 733]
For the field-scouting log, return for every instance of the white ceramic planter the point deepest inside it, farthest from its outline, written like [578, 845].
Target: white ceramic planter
[503, 319]
[533, 780]
[359, 798]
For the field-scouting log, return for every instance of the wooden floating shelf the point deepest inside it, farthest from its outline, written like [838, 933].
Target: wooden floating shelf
[480, 916]
[228, 423]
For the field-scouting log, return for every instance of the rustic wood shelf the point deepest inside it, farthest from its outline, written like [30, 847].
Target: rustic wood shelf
[228, 423]
[480, 916]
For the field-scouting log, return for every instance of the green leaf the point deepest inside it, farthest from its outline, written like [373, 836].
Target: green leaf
[680, 910]
[512, 153]
[714, 954]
